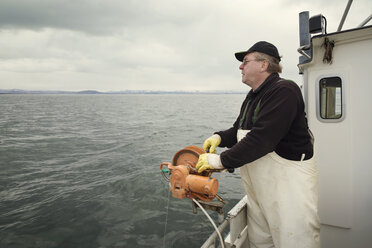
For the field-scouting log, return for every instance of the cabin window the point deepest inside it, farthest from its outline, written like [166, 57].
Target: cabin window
[330, 93]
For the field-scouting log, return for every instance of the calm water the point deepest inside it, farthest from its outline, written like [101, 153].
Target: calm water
[83, 170]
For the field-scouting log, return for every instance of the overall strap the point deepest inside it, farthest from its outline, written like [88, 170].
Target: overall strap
[256, 110]
[255, 113]
[244, 114]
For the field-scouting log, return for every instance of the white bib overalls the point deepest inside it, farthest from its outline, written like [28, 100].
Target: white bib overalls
[282, 201]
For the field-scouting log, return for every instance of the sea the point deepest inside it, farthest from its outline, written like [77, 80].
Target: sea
[84, 170]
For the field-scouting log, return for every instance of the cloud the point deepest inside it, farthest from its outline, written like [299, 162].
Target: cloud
[147, 44]
[97, 17]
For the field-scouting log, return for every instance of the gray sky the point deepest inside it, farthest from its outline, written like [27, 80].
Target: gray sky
[112, 45]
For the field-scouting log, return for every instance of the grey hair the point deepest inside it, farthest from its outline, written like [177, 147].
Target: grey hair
[274, 64]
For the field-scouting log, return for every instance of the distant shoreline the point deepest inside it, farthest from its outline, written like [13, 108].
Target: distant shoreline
[125, 92]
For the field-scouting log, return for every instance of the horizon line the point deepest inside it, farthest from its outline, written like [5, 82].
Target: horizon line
[20, 91]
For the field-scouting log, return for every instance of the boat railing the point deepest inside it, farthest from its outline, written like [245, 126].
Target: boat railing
[236, 219]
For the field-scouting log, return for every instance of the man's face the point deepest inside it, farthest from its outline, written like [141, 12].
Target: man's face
[250, 68]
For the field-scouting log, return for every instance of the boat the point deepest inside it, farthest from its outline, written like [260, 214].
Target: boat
[336, 89]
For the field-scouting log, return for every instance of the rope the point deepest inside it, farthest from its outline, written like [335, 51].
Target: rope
[212, 222]
[166, 220]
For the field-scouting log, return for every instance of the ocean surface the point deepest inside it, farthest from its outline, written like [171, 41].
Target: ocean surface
[84, 170]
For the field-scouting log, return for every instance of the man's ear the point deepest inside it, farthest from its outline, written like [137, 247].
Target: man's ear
[264, 66]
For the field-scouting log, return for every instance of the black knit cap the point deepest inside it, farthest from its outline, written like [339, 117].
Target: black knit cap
[262, 47]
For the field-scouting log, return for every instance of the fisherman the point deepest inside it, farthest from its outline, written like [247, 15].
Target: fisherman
[271, 143]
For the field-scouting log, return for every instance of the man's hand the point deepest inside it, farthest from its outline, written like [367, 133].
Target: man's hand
[209, 161]
[211, 143]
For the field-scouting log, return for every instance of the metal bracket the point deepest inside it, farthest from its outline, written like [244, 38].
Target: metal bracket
[214, 206]
[302, 49]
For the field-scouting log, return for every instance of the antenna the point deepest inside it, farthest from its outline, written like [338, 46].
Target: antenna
[365, 21]
[305, 37]
[344, 15]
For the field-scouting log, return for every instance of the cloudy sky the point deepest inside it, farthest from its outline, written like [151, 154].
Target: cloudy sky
[112, 45]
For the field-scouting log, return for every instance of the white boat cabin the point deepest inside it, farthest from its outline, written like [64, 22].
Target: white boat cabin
[337, 87]
[337, 90]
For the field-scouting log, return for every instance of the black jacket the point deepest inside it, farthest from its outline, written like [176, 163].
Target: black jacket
[280, 125]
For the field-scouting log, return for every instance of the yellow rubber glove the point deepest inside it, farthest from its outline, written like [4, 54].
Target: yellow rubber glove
[211, 143]
[208, 161]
